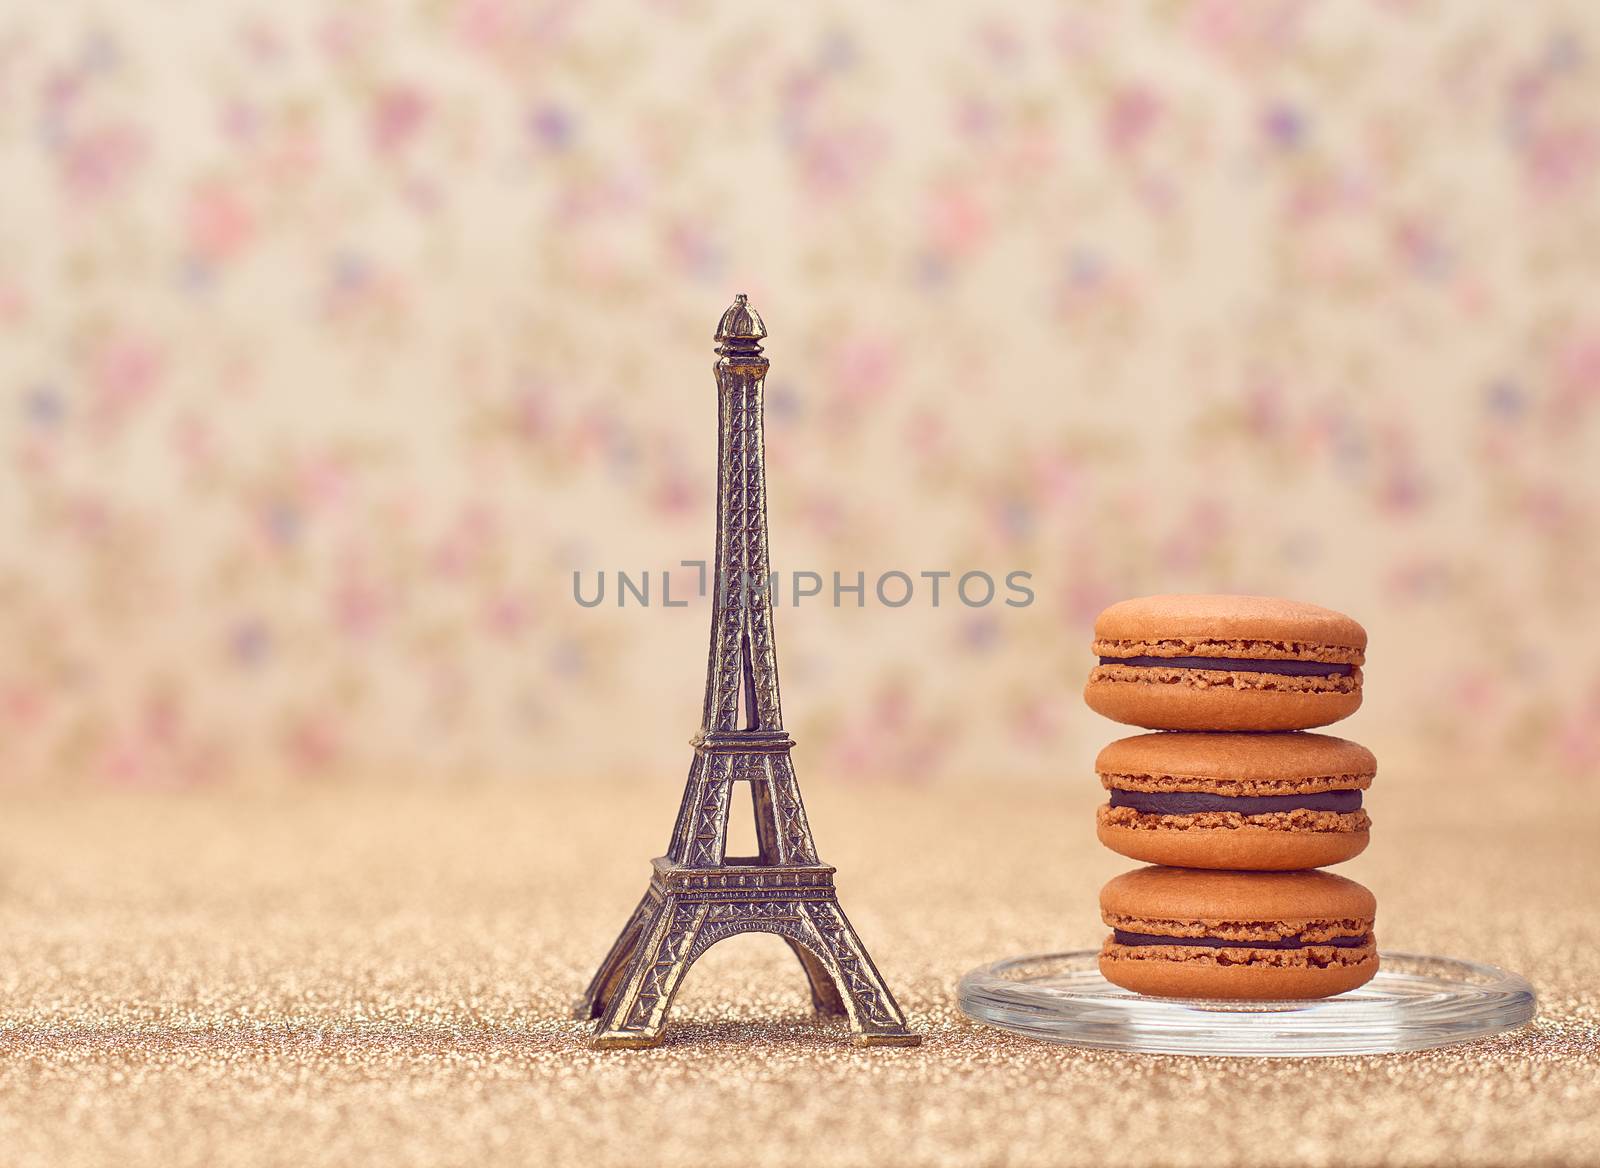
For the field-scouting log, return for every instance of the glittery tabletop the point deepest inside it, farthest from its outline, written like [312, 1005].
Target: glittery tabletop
[349, 974]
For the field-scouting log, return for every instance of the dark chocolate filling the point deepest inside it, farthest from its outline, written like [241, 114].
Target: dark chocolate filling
[1122, 938]
[1194, 802]
[1237, 665]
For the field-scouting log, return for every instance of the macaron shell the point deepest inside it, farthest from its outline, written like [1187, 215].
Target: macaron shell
[1225, 617]
[1248, 848]
[1194, 978]
[1183, 894]
[1293, 704]
[1237, 758]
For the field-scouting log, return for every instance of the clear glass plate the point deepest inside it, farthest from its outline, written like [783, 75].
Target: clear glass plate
[1413, 1003]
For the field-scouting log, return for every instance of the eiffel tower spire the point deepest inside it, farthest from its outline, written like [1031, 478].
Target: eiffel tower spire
[698, 894]
[743, 657]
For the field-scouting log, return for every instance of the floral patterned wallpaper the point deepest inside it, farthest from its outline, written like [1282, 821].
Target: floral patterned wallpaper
[335, 338]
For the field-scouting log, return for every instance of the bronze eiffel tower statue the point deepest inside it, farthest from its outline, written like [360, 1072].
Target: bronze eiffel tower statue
[699, 895]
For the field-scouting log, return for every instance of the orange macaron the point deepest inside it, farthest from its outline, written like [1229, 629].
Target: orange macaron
[1267, 802]
[1187, 933]
[1211, 662]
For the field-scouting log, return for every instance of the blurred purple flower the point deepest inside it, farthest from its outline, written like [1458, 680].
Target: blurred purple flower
[552, 126]
[249, 643]
[44, 406]
[1284, 126]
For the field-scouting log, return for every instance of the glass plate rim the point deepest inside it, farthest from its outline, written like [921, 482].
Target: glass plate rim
[1432, 1002]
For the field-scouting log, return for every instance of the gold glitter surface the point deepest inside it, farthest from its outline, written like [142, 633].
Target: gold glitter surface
[356, 975]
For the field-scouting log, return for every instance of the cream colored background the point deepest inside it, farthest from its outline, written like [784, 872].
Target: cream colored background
[335, 337]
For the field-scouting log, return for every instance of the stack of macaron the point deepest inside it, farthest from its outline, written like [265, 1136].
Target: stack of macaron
[1235, 804]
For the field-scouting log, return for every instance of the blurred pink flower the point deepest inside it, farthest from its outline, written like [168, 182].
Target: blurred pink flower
[97, 163]
[958, 223]
[123, 371]
[220, 223]
[1133, 112]
[398, 112]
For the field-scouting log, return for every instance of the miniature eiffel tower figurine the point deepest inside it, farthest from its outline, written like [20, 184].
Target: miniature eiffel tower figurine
[698, 894]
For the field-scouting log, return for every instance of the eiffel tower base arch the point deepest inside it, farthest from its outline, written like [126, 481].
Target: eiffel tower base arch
[688, 910]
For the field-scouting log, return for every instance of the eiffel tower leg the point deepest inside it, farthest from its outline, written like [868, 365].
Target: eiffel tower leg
[604, 986]
[637, 1015]
[824, 994]
[874, 1015]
